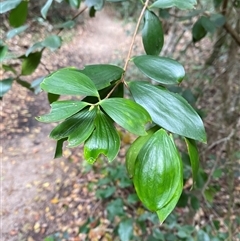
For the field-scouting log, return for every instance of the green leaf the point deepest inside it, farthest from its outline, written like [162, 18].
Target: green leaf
[5, 86]
[104, 140]
[152, 34]
[8, 5]
[18, 15]
[103, 74]
[218, 19]
[35, 85]
[158, 172]
[69, 81]
[59, 148]
[161, 69]
[52, 97]
[194, 157]
[74, 3]
[198, 31]
[45, 8]
[208, 25]
[125, 230]
[24, 84]
[97, 4]
[195, 203]
[168, 208]
[3, 52]
[169, 110]
[67, 24]
[135, 148]
[8, 67]
[62, 109]
[77, 127]
[127, 114]
[186, 4]
[16, 31]
[30, 63]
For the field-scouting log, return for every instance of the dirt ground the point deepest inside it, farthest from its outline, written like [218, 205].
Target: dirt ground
[40, 195]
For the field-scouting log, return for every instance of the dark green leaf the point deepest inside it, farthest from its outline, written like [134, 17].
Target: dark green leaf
[158, 173]
[5, 86]
[8, 5]
[18, 15]
[68, 24]
[45, 8]
[127, 114]
[125, 230]
[152, 34]
[97, 4]
[103, 74]
[52, 97]
[195, 204]
[115, 208]
[8, 67]
[62, 109]
[3, 52]
[217, 3]
[77, 127]
[186, 4]
[69, 81]
[198, 31]
[161, 69]
[105, 193]
[194, 157]
[30, 63]
[208, 25]
[16, 31]
[24, 84]
[59, 148]
[104, 140]
[135, 148]
[169, 110]
[92, 12]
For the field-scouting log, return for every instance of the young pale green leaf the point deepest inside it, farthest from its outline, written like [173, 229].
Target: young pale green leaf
[161, 69]
[168, 208]
[45, 8]
[97, 4]
[198, 31]
[69, 81]
[158, 171]
[135, 148]
[169, 110]
[18, 15]
[152, 34]
[8, 5]
[61, 110]
[128, 114]
[5, 86]
[102, 74]
[59, 148]
[194, 157]
[186, 4]
[77, 127]
[104, 140]
[52, 42]
[30, 63]
[16, 31]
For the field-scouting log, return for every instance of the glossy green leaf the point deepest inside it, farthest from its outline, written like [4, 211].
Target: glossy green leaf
[77, 127]
[169, 110]
[69, 81]
[198, 31]
[104, 140]
[5, 86]
[30, 63]
[61, 110]
[45, 8]
[16, 31]
[97, 4]
[59, 148]
[194, 157]
[102, 74]
[161, 69]
[52, 42]
[8, 5]
[158, 171]
[125, 230]
[168, 208]
[135, 148]
[128, 114]
[152, 34]
[186, 4]
[18, 15]
[3, 52]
